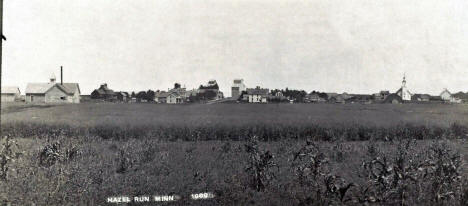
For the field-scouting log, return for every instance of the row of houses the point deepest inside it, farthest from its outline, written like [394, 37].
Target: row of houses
[176, 95]
[53, 92]
[49, 92]
[402, 95]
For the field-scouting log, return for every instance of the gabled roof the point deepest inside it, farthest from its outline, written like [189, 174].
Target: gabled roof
[10, 90]
[38, 88]
[391, 97]
[69, 88]
[163, 95]
[420, 96]
[257, 91]
[446, 91]
[42, 88]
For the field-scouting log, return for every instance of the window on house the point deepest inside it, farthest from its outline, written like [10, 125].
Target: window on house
[63, 98]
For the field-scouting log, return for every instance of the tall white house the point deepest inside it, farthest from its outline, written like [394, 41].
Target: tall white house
[403, 92]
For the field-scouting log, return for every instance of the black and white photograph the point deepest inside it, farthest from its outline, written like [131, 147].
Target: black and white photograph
[234, 102]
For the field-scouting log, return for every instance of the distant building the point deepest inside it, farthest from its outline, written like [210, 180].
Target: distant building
[314, 97]
[175, 98]
[359, 98]
[462, 96]
[210, 91]
[420, 97]
[435, 99]
[161, 97]
[339, 98]
[378, 97]
[257, 95]
[237, 88]
[346, 96]
[85, 98]
[122, 96]
[330, 96]
[448, 97]
[104, 93]
[393, 99]
[175, 95]
[52, 92]
[10, 94]
[274, 96]
[403, 92]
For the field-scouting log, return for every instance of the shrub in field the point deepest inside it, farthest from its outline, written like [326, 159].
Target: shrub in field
[125, 162]
[9, 151]
[260, 165]
[458, 130]
[50, 154]
[319, 186]
[444, 174]
[390, 180]
[412, 176]
[53, 152]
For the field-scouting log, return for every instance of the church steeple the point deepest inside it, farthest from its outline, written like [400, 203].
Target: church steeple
[403, 83]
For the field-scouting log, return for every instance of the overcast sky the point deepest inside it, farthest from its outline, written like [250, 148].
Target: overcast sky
[358, 46]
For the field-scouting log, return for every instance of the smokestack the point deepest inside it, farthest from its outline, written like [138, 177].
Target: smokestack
[61, 75]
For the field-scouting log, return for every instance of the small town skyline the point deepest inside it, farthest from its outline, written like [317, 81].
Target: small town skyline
[226, 86]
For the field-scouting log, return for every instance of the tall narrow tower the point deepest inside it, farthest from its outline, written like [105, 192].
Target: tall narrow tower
[404, 93]
[403, 83]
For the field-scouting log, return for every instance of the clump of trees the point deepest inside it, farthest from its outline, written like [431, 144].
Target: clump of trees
[296, 95]
[144, 95]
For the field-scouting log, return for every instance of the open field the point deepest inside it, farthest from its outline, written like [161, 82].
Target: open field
[386, 154]
[92, 114]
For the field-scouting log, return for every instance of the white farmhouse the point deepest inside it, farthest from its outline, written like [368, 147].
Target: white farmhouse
[52, 92]
[257, 95]
[448, 97]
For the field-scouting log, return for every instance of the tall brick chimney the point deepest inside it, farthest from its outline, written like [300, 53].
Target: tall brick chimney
[61, 75]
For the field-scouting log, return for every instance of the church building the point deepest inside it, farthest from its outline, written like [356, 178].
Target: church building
[403, 92]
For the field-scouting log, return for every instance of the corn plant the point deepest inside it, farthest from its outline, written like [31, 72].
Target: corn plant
[8, 153]
[260, 165]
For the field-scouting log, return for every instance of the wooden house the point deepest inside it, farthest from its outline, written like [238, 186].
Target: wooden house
[104, 93]
[420, 97]
[122, 96]
[52, 92]
[10, 94]
[257, 95]
[393, 99]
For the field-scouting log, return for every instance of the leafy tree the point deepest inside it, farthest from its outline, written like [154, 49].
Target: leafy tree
[141, 95]
[150, 94]
[323, 95]
[207, 95]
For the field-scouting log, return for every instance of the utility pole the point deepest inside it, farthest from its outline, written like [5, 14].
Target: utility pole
[1, 55]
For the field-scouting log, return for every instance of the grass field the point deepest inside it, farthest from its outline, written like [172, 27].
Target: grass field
[241, 114]
[69, 154]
